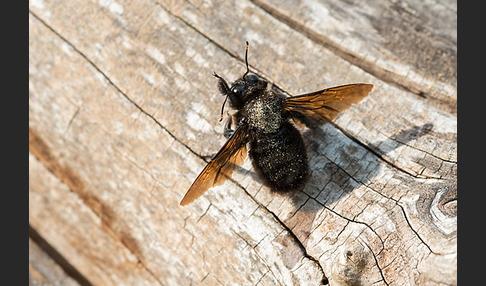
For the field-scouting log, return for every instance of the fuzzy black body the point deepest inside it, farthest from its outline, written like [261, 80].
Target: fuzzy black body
[280, 158]
[277, 149]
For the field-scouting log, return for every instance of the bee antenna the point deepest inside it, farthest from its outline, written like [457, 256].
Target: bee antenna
[222, 108]
[246, 60]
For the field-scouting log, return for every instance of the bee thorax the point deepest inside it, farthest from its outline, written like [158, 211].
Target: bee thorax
[265, 114]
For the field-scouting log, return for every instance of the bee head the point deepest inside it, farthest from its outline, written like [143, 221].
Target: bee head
[242, 89]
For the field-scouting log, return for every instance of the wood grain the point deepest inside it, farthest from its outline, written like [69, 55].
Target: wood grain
[123, 110]
[410, 44]
[43, 270]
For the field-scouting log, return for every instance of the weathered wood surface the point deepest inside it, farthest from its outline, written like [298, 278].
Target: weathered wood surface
[43, 270]
[123, 109]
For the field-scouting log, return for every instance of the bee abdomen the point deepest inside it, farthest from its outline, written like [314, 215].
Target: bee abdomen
[280, 159]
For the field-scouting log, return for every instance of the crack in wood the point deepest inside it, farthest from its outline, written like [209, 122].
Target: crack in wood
[376, 261]
[105, 76]
[72, 118]
[204, 278]
[205, 212]
[358, 222]
[269, 269]
[414, 231]
[50, 250]
[290, 232]
[259, 280]
[299, 243]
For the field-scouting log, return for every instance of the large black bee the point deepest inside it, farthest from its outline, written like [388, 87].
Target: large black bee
[263, 120]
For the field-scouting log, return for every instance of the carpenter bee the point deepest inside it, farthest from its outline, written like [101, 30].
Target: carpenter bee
[263, 121]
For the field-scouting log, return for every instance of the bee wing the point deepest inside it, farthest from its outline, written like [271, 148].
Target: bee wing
[318, 107]
[221, 166]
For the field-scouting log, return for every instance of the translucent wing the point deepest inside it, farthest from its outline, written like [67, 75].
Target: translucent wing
[318, 107]
[221, 166]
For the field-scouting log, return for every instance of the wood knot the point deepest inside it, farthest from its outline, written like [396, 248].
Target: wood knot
[444, 208]
[447, 203]
[349, 265]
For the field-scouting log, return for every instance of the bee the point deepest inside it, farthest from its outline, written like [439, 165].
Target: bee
[265, 123]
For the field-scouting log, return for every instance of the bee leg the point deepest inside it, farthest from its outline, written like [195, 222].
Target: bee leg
[228, 132]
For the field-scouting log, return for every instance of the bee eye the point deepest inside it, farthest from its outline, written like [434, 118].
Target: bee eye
[252, 79]
[238, 89]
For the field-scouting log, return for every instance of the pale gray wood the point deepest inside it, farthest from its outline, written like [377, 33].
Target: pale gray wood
[123, 107]
[43, 270]
[412, 44]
